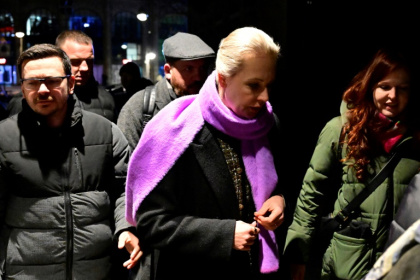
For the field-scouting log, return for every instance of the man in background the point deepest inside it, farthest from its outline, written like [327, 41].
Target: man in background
[89, 94]
[131, 82]
[188, 62]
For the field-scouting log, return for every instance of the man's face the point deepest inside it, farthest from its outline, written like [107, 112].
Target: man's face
[81, 57]
[127, 80]
[47, 98]
[187, 76]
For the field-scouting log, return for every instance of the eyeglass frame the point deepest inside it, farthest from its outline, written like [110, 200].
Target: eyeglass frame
[42, 80]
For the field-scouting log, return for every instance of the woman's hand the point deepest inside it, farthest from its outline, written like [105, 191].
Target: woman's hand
[131, 243]
[245, 235]
[271, 213]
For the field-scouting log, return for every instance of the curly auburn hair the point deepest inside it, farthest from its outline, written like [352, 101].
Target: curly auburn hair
[362, 125]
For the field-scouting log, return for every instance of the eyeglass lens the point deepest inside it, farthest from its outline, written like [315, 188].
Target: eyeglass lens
[50, 82]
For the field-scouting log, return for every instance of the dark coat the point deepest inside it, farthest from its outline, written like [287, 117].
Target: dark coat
[95, 98]
[121, 94]
[62, 195]
[190, 216]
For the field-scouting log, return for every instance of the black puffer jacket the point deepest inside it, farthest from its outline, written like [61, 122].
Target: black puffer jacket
[95, 98]
[60, 193]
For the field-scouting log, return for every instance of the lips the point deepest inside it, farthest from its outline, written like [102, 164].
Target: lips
[43, 99]
[391, 106]
[47, 98]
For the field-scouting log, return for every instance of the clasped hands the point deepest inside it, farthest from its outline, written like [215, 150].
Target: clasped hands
[270, 216]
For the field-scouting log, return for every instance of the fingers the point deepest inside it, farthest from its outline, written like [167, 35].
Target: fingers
[262, 211]
[129, 264]
[136, 254]
[271, 222]
[134, 257]
[121, 241]
[255, 230]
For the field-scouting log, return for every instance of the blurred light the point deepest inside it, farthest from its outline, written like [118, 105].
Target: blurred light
[125, 60]
[142, 16]
[124, 46]
[86, 24]
[19, 34]
[150, 56]
[3, 61]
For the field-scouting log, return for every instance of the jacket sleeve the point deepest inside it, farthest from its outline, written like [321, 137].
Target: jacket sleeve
[179, 215]
[130, 119]
[121, 155]
[3, 194]
[316, 186]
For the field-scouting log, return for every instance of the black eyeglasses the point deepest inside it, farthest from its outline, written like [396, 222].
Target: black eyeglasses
[76, 62]
[50, 82]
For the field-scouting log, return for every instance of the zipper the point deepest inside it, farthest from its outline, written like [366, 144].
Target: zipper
[69, 230]
[69, 217]
[78, 166]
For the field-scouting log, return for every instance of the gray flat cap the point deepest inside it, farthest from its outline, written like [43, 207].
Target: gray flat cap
[185, 46]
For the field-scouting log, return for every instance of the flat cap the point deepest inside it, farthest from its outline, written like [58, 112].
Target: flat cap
[185, 46]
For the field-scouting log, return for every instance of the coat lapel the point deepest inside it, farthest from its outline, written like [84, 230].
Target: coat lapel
[213, 164]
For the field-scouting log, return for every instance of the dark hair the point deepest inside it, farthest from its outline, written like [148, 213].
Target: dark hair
[362, 124]
[40, 51]
[171, 60]
[132, 68]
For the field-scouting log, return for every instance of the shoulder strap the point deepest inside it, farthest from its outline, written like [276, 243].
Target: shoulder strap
[340, 144]
[149, 103]
[344, 214]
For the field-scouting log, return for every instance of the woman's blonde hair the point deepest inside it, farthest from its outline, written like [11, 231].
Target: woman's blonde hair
[238, 44]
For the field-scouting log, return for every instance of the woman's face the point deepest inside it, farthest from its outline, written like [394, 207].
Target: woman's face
[392, 93]
[247, 91]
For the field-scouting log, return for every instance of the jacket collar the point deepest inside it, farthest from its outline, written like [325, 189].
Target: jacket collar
[28, 119]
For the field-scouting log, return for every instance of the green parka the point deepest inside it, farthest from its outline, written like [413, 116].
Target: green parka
[346, 257]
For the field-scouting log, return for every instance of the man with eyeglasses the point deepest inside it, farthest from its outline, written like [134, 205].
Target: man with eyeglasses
[90, 95]
[62, 180]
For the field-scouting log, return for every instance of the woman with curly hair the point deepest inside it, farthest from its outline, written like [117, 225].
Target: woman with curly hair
[380, 117]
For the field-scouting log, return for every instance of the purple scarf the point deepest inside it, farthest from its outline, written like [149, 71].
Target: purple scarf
[169, 134]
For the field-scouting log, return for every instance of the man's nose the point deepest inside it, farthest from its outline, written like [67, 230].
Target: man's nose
[43, 88]
[84, 66]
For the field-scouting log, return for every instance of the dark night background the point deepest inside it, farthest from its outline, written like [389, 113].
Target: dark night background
[324, 44]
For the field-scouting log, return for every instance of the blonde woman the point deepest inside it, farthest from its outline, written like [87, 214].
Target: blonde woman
[202, 183]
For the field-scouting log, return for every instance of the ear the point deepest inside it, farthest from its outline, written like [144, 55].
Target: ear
[222, 80]
[21, 89]
[71, 82]
[167, 71]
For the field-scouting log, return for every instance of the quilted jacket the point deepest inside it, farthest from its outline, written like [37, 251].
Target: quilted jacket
[346, 257]
[62, 195]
